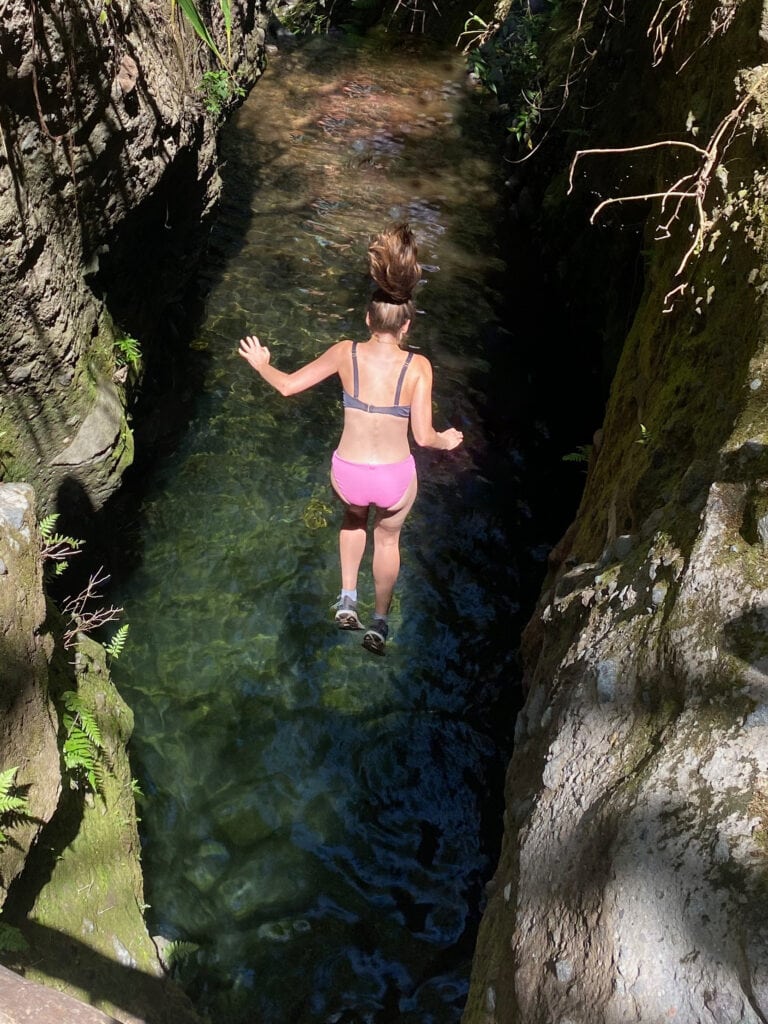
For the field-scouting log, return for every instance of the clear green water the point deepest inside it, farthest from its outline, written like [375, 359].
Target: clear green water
[314, 815]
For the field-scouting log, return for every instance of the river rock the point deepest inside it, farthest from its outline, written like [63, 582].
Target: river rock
[276, 877]
[240, 819]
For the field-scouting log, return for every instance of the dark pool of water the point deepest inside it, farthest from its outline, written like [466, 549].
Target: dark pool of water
[316, 819]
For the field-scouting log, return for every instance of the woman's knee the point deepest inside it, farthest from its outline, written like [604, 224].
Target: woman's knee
[386, 535]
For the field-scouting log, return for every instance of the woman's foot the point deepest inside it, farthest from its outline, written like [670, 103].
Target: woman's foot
[376, 636]
[346, 616]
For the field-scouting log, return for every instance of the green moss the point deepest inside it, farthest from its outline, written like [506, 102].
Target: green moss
[15, 462]
[86, 929]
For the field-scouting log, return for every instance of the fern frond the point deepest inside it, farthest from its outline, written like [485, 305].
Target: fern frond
[13, 808]
[82, 718]
[78, 748]
[81, 757]
[115, 646]
[179, 951]
[48, 525]
[6, 780]
[12, 805]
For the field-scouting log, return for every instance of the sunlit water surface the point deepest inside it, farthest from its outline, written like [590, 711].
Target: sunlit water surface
[313, 817]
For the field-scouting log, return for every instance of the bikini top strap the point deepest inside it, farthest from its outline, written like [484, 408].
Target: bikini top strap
[355, 374]
[401, 378]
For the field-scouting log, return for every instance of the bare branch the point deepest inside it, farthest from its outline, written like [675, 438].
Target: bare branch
[665, 143]
[59, 551]
[693, 185]
[83, 619]
[631, 199]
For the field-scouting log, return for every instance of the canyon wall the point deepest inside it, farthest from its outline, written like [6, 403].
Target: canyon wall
[109, 115]
[632, 880]
[108, 178]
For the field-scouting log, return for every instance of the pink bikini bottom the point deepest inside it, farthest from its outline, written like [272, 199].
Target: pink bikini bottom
[382, 484]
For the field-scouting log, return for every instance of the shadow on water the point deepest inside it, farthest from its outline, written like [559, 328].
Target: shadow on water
[318, 821]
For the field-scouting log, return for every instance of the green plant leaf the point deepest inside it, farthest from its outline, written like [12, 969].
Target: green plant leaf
[192, 15]
[48, 525]
[226, 10]
[84, 716]
[179, 951]
[13, 808]
[128, 352]
[6, 779]
[115, 646]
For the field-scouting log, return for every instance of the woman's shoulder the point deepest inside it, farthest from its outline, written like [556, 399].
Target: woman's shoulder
[420, 363]
[341, 348]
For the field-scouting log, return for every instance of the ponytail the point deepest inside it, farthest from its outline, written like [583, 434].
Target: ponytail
[395, 272]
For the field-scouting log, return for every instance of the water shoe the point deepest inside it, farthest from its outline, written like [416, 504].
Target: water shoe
[376, 636]
[346, 616]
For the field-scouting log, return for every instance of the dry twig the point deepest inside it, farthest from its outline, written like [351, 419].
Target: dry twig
[693, 186]
[83, 619]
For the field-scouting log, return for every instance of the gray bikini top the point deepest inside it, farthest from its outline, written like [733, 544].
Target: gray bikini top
[353, 402]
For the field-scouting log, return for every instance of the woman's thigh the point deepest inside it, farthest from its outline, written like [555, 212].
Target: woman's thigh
[393, 518]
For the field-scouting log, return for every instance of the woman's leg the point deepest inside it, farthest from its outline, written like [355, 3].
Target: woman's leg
[352, 537]
[386, 548]
[352, 544]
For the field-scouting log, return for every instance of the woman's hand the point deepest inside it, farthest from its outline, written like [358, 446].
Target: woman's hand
[451, 438]
[254, 352]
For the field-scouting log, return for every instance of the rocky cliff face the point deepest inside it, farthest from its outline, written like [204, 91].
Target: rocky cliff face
[74, 854]
[108, 175]
[28, 721]
[632, 881]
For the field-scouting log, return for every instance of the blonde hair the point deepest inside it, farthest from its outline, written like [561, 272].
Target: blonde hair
[396, 272]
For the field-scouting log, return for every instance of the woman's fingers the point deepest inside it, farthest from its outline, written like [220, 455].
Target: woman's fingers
[252, 350]
[249, 344]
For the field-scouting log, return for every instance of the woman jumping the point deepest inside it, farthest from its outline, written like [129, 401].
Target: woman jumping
[382, 393]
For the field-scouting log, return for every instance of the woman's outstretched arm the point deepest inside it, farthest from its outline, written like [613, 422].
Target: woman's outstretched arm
[258, 356]
[424, 432]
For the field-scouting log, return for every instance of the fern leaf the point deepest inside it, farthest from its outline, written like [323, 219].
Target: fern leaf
[115, 646]
[13, 808]
[179, 951]
[77, 744]
[84, 719]
[12, 804]
[48, 525]
[6, 780]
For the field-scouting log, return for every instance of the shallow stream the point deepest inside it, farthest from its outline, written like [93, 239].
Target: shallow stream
[320, 822]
